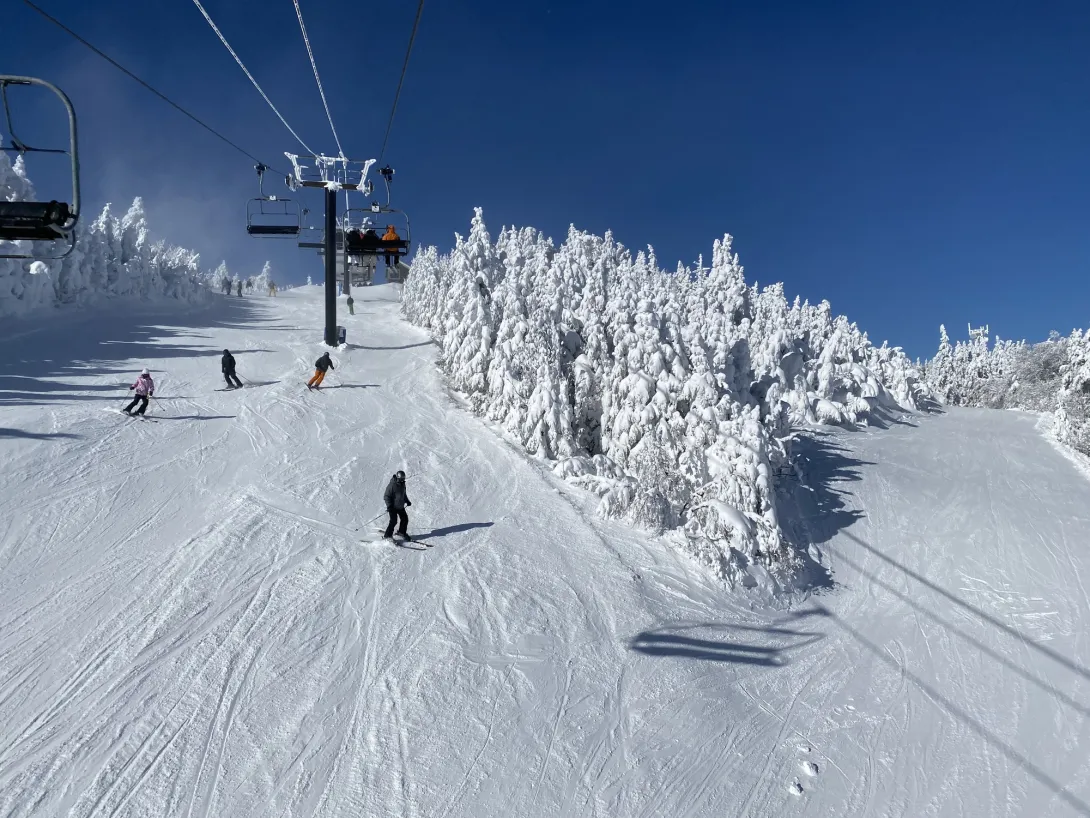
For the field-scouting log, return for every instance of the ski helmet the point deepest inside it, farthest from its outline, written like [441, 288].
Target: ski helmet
[400, 475]
[225, 352]
[144, 371]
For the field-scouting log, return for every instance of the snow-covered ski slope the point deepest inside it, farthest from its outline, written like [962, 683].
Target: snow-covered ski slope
[190, 626]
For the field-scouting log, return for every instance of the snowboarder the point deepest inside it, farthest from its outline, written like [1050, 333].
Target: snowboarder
[228, 367]
[145, 388]
[320, 367]
[240, 288]
[350, 303]
[391, 235]
[397, 500]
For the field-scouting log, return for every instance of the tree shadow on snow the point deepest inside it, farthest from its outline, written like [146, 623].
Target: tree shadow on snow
[882, 418]
[453, 529]
[4, 432]
[814, 510]
[724, 644]
[47, 358]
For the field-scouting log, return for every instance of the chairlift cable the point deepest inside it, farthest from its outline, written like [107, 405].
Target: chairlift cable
[246, 71]
[404, 68]
[129, 73]
[314, 67]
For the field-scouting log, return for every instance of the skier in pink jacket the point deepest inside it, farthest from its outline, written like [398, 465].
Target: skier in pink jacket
[145, 388]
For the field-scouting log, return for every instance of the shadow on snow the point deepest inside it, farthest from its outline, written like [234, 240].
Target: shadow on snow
[46, 358]
[723, 641]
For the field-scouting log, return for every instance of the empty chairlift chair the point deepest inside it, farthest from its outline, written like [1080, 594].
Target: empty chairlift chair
[50, 221]
[271, 217]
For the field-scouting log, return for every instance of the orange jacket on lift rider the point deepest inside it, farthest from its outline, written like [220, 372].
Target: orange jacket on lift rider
[391, 235]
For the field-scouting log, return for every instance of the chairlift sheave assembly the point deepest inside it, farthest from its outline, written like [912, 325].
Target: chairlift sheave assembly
[270, 217]
[40, 221]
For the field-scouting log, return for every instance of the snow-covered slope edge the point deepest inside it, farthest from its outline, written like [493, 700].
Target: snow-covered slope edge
[671, 396]
[113, 258]
[1052, 377]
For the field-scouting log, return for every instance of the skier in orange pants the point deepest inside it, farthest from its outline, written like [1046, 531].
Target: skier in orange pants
[320, 367]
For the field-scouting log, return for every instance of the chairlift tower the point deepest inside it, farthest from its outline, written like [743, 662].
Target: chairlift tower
[334, 174]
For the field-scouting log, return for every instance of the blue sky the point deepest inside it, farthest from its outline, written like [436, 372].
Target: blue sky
[914, 163]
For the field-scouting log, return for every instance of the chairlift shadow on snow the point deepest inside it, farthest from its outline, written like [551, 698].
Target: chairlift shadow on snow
[453, 529]
[402, 346]
[966, 718]
[13, 433]
[673, 641]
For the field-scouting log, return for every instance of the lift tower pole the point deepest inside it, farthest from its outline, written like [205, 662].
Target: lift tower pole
[330, 250]
[331, 267]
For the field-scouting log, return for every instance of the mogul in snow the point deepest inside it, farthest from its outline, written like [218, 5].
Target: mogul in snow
[320, 366]
[397, 500]
[228, 367]
[144, 388]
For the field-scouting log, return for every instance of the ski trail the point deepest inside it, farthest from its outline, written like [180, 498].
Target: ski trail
[207, 634]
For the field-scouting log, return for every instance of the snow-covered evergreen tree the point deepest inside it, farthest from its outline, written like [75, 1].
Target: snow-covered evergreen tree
[113, 258]
[670, 395]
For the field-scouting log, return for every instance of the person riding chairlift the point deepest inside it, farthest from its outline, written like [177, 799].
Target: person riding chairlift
[391, 235]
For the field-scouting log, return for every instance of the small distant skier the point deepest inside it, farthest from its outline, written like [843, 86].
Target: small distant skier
[228, 366]
[226, 286]
[320, 367]
[272, 289]
[144, 388]
[350, 304]
[240, 288]
[397, 500]
[249, 285]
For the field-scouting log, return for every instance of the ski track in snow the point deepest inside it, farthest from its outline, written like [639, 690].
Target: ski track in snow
[192, 623]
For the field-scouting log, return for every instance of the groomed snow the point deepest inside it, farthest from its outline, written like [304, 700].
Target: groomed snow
[189, 624]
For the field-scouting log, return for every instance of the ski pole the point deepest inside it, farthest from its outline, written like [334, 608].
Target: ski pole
[364, 525]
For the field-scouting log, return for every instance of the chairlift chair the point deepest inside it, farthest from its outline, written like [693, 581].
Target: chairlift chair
[40, 221]
[310, 238]
[269, 216]
[360, 243]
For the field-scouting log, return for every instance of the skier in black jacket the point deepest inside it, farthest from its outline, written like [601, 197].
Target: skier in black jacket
[228, 366]
[320, 367]
[396, 501]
